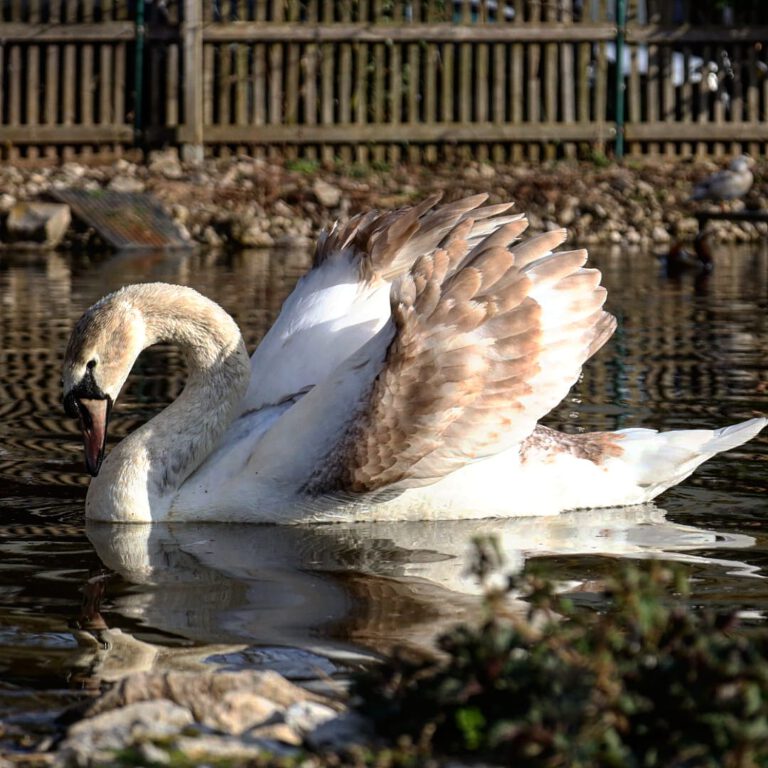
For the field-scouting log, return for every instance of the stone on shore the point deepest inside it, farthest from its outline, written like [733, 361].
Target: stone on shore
[37, 223]
[211, 715]
[97, 740]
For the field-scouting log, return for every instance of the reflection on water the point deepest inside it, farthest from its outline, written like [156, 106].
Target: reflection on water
[80, 606]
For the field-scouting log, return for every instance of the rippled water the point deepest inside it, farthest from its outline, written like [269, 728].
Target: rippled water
[80, 607]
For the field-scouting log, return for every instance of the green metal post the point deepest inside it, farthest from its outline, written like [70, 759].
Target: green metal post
[621, 23]
[138, 116]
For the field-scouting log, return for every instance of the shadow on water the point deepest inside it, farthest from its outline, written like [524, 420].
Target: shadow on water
[80, 606]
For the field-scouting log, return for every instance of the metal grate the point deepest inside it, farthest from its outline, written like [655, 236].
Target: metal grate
[124, 219]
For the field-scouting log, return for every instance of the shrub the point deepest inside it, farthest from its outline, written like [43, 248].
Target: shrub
[648, 682]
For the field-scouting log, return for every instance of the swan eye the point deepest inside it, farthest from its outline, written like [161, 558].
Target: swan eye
[90, 365]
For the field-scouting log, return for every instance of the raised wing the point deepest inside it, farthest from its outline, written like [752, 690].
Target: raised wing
[484, 340]
[344, 300]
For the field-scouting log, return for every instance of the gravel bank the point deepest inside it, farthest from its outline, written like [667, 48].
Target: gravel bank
[245, 203]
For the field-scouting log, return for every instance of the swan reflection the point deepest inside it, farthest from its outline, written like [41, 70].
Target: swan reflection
[338, 589]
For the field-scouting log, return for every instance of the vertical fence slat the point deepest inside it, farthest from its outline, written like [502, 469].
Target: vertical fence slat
[516, 94]
[465, 81]
[87, 84]
[361, 85]
[533, 90]
[499, 96]
[446, 95]
[345, 84]
[33, 77]
[551, 76]
[567, 76]
[753, 97]
[259, 53]
[15, 73]
[414, 59]
[634, 97]
[394, 103]
[701, 146]
[327, 82]
[652, 115]
[293, 78]
[686, 106]
[310, 59]
[719, 106]
[601, 96]
[242, 80]
[737, 98]
[379, 94]
[276, 76]
[172, 87]
[482, 81]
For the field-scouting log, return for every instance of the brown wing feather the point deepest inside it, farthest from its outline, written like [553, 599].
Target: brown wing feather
[488, 339]
[387, 244]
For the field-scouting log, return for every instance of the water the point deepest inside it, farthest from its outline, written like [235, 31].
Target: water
[82, 606]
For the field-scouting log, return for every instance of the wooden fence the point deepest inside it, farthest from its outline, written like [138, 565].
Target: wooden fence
[381, 80]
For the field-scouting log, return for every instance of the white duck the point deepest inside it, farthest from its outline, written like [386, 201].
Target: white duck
[403, 379]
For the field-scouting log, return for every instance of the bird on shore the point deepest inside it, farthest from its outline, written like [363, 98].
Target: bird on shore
[728, 184]
[404, 379]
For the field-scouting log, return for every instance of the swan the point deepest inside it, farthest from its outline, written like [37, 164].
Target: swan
[403, 380]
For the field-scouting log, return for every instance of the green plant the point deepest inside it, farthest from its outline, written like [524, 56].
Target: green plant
[647, 683]
[303, 165]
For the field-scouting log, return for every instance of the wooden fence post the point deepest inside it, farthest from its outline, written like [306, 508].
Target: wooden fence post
[192, 150]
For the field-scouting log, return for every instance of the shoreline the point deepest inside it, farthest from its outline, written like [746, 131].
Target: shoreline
[244, 202]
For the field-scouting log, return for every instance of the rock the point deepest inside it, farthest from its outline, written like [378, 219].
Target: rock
[6, 202]
[342, 731]
[97, 739]
[211, 237]
[45, 223]
[281, 208]
[239, 711]
[126, 184]
[166, 163]
[200, 691]
[326, 194]
[660, 234]
[255, 237]
[293, 241]
[153, 755]
[206, 749]
[277, 732]
[303, 717]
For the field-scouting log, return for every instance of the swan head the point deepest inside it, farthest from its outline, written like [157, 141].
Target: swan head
[99, 356]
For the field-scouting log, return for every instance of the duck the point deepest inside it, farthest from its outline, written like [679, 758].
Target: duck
[728, 184]
[404, 378]
[679, 260]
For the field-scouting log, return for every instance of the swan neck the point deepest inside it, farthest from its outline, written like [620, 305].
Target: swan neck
[154, 461]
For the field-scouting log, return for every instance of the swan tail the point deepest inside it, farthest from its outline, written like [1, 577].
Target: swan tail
[659, 460]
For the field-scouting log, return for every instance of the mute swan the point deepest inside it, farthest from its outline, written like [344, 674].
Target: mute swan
[403, 379]
[735, 181]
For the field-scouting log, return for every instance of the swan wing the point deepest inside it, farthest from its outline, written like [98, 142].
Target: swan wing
[483, 340]
[344, 300]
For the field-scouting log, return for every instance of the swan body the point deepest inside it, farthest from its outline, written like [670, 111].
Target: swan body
[729, 184]
[403, 380]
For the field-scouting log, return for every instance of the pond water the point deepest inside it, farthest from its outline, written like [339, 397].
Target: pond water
[80, 606]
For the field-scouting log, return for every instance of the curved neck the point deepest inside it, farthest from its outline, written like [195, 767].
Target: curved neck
[144, 471]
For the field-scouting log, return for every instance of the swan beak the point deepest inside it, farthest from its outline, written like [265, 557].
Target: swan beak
[94, 417]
